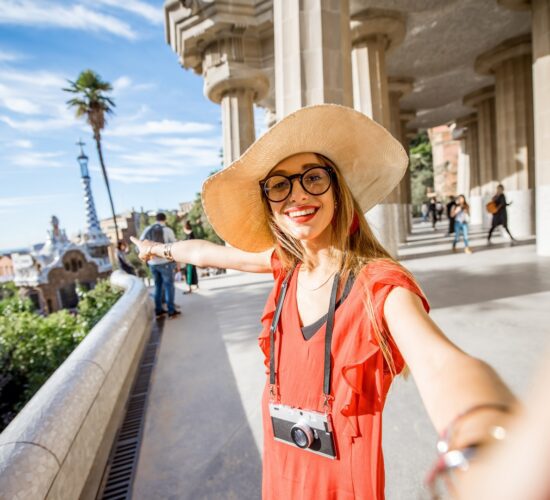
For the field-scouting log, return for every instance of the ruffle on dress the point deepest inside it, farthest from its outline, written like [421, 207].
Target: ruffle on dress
[353, 374]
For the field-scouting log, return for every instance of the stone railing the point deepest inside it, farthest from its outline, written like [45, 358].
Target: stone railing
[58, 445]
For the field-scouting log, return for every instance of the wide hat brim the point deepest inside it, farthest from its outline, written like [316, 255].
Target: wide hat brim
[369, 158]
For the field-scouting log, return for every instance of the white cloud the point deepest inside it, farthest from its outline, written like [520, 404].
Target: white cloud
[37, 159]
[23, 201]
[18, 105]
[125, 83]
[43, 13]
[158, 127]
[152, 14]
[191, 141]
[35, 78]
[6, 56]
[121, 83]
[37, 125]
[32, 92]
[23, 143]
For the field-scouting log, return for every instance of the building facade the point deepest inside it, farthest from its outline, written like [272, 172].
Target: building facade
[50, 276]
[409, 64]
[6, 269]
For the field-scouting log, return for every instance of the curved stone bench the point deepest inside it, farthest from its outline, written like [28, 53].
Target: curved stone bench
[58, 445]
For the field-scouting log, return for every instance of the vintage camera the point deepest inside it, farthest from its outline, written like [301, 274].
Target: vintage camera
[310, 430]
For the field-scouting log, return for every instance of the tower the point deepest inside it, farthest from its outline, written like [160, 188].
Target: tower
[94, 239]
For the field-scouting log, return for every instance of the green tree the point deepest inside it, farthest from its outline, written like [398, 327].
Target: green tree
[199, 222]
[93, 102]
[422, 174]
[33, 346]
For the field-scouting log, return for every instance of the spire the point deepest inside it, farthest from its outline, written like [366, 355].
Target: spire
[93, 235]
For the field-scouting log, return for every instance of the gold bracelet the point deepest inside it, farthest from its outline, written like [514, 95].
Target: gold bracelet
[149, 255]
[167, 251]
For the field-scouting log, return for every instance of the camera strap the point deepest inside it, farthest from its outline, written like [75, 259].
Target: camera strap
[328, 337]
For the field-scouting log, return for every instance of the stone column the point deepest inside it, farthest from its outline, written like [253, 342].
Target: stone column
[312, 54]
[469, 178]
[398, 87]
[483, 101]
[510, 62]
[541, 97]
[238, 122]
[229, 81]
[373, 33]
[406, 187]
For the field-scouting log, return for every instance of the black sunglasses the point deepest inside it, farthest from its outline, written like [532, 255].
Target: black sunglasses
[315, 181]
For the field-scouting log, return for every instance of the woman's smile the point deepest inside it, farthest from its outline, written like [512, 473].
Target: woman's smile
[301, 214]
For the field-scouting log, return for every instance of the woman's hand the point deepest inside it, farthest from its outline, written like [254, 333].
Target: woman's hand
[144, 247]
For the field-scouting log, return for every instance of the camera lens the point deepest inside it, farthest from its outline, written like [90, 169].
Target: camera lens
[301, 434]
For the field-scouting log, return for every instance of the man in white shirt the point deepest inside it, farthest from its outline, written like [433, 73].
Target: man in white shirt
[162, 270]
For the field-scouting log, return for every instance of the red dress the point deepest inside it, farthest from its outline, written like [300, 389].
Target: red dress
[360, 382]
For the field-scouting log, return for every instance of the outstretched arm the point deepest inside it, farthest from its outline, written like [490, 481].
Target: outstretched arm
[204, 253]
[449, 380]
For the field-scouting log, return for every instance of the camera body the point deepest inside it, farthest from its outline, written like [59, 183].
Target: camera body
[309, 430]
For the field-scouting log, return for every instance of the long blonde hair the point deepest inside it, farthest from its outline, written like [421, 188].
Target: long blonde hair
[351, 252]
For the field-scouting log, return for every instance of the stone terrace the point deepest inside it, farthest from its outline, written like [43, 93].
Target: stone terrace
[202, 437]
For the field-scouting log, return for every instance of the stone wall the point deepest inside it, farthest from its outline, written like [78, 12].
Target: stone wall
[58, 445]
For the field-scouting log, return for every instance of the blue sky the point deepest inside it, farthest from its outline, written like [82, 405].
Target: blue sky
[159, 146]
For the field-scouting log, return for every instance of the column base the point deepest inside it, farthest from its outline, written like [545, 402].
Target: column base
[543, 220]
[383, 220]
[476, 210]
[403, 225]
[521, 213]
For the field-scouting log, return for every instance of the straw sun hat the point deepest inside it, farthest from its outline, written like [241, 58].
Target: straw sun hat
[369, 158]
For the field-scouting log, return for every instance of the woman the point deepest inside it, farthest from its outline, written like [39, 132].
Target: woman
[461, 214]
[500, 216]
[293, 205]
[191, 276]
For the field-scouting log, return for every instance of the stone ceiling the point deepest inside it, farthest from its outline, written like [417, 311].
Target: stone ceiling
[442, 41]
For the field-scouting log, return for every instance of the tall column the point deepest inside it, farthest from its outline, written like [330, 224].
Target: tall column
[483, 101]
[510, 62]
[373, 33]
[312, 54]
[541, 98]
[234, 84]
[469, 176]
[238, 122]
[398, 87]
[406, 186]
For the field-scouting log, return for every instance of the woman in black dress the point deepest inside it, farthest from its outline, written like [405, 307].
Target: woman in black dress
[500, 217]
[191, 276]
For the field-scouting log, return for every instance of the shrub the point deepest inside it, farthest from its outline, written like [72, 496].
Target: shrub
[33, 346]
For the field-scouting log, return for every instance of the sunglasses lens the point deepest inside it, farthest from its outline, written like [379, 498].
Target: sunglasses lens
[276, 188]
[316, 181]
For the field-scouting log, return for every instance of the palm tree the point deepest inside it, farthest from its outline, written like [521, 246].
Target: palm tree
[93, 103]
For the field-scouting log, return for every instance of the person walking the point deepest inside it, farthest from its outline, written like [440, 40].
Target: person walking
[461, 215]
[191, 276]
[450, 205]
[343, 318]
[121, 255]
[500, 214]
[424, 210]
[162, 268]
[433, 211]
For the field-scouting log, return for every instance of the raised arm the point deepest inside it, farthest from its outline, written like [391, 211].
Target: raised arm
[449, 380]
[204, 253]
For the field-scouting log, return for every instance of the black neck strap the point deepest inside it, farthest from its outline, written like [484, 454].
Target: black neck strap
[328, 334]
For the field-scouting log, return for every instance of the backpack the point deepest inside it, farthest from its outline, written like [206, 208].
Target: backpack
[155, 233]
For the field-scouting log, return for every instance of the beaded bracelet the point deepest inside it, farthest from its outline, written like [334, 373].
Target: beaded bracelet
[449, 460]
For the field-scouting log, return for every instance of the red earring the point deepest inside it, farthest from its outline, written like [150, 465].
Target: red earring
[354, 227]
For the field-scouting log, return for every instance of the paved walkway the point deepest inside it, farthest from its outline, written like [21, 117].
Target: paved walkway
[202, 437]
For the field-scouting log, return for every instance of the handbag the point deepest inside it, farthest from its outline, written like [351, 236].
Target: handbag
[492, 207]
